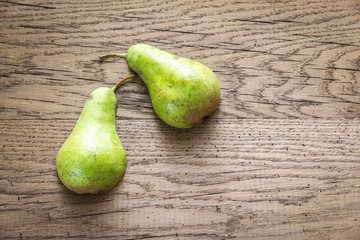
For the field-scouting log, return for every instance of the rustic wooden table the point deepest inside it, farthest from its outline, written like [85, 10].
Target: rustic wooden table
[279, 160]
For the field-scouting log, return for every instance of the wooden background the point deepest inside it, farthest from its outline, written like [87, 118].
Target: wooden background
[279, 160]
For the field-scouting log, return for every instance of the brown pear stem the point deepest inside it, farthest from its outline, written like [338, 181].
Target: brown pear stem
[114, 88]
[122, 55]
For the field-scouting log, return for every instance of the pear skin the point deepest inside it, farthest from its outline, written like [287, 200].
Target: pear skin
[183, 92]
[92, 159]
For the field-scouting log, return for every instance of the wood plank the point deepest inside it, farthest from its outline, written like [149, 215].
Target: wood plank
[228, 178]
[280, 59]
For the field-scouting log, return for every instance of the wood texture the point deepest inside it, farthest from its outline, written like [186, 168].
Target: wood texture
[251, 179]
[280, 159]
[280, 59]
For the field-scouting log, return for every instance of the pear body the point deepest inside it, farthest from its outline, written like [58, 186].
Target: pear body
[92, 159]
[183, 92]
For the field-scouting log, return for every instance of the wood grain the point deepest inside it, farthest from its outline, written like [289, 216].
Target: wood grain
[278, 160]
[274, 60]
[248, 179]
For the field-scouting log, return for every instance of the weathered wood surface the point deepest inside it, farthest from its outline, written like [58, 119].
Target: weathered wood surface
[251, 179]
[279, 160]
[279, 59]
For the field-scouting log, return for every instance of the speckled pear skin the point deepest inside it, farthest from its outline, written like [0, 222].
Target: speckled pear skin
[92, 159]
[183, 92]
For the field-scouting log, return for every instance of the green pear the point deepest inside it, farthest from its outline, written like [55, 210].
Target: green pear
[92, 159]
[183, 92]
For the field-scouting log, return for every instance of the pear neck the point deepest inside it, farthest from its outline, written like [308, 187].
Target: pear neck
[100, 107]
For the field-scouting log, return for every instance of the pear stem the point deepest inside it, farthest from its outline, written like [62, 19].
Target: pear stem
[123, 55]
[114, 88]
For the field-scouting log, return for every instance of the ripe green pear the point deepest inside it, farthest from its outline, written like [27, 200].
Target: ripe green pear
[92, 159]
[183, 92]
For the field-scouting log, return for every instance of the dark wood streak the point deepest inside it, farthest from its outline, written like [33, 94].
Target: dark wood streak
[28, 5]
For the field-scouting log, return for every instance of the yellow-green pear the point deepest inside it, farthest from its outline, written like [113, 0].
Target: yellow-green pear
[92, 159]
[183, 92]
